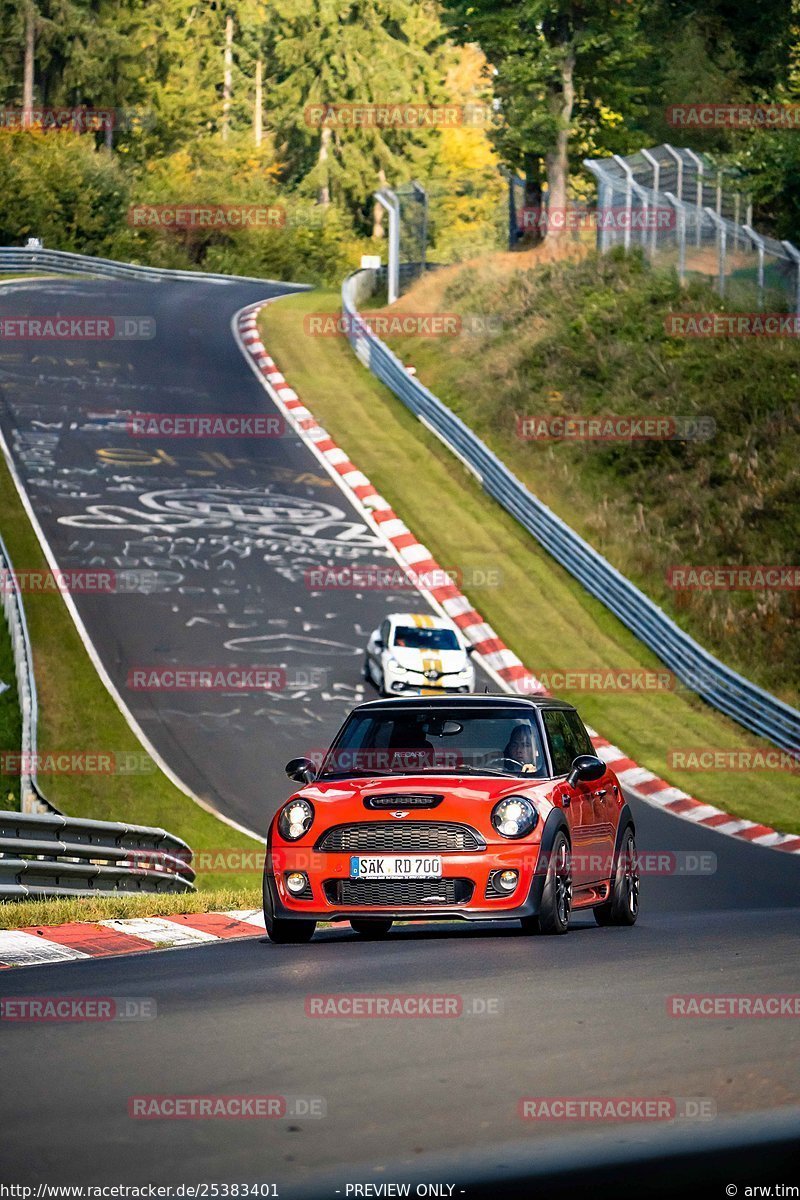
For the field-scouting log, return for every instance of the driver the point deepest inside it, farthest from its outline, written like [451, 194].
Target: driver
[520, 747]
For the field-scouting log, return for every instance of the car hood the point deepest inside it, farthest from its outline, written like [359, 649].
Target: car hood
[443, 661]
[458, 792]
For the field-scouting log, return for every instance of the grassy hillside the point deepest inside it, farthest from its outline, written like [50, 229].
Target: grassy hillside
[587, 338]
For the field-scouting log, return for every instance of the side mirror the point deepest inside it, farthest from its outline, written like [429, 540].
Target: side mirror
[586, 768]
[470, 650]
[301, 770]
[379, 643]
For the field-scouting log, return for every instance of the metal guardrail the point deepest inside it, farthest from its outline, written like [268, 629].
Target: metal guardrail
[21, 258]
[31, 799]
[729, 692]
[51, 855]
[43, 852]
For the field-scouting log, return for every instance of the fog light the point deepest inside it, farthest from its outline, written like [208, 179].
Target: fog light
[507, 880]
[296, 881]
[398, 686]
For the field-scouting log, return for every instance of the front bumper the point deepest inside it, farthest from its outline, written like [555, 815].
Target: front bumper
[328, 869]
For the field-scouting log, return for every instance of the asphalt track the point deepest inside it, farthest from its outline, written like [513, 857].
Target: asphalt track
[212, 541]
[580, 1016]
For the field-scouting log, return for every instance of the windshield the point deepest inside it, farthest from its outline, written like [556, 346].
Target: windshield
[425, 639]
[447, 741]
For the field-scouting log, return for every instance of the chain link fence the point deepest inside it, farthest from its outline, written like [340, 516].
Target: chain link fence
[684, 211]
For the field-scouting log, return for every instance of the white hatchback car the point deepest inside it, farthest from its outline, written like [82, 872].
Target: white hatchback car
[418, 654]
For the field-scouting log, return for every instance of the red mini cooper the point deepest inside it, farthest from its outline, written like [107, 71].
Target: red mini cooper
[478, 807]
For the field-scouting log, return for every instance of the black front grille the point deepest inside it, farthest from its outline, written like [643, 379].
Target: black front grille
[395, 892]
[403, 800]
[400, 837]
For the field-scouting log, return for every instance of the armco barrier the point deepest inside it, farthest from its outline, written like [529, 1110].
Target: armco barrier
[51, 855]
[11, 602]
[718, 684]
[64, 262]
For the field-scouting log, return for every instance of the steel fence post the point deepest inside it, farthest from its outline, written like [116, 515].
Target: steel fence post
[679, 163]
[721, 242]
[626, 234]
[698, 192]
[680, 209]
[794, 254]
[388, 200]
[656, 166]
[758, 242]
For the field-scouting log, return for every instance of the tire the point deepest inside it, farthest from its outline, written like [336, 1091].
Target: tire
[365, 672]
[283, 932]
[557, 892]
[371, 927]
[290, 933]
[622, 906]
[530, 925]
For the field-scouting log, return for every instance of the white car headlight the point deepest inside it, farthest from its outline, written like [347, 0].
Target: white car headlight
[295, 819]
[514, 817]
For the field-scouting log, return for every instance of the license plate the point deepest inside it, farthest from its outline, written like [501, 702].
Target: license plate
[396, 866]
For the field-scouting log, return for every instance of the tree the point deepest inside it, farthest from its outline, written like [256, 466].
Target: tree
[328, 53]
[561, 66]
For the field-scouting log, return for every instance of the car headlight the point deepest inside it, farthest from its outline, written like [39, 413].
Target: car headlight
[514, 817]
[295, 819]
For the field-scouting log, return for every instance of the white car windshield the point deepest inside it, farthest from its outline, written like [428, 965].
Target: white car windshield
[410, 638]
[458, 741]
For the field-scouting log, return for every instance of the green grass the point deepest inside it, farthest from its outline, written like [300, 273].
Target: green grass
[76, 712]
[538, 609]
[104, 908]
[588, 338]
